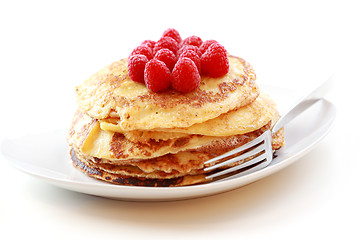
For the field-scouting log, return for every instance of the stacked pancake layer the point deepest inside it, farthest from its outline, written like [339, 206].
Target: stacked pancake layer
[125, 134]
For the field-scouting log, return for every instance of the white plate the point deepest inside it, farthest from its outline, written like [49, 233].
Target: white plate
[45, 156]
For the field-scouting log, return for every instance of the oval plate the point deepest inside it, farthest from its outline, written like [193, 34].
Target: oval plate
[46, 156]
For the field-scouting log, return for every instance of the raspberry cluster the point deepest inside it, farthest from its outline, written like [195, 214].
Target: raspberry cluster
[173, 62]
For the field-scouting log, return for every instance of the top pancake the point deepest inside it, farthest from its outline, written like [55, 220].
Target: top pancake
[110, 93]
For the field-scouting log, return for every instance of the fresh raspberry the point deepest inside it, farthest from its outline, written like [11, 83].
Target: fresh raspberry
[149, 43]
[174, 34]
[185, 76]
[136, 66]
[205, 45]
[166, 42]
[157, 76]
[214, 61]
[166, 56]
[193, 56]
[189, 47]
[193, 40]
[144, 50]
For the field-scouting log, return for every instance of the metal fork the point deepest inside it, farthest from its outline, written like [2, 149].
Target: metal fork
[260, 149]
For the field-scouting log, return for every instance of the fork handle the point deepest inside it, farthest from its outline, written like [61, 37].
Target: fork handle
[304, 103]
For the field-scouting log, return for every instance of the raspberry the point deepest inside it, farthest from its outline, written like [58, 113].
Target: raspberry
[166, 56]
[214, 61]
[144, 50]
[157, 76]
[149, 43]
[205, 45]
[174, 34]
[136, 66]
[193, 40]
[193, 56]
[189, 47]
[185, 76]
[166, 42]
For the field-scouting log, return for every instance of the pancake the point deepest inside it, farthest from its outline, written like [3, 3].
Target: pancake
[186, 161]
[123, 133]
[146, 136]
[88, 136]
[184, 168]
[91, 140]
[110, 93]
[179, 160]
[100, 174]
[239, 121]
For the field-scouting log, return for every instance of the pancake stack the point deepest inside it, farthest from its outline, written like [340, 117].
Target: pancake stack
[123, 133]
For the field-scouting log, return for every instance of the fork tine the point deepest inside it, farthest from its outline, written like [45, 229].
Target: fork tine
[258, 162]
[232, 169]
[258, 166]
[237, 150]
[254, 151]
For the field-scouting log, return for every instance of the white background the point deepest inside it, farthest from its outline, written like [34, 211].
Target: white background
[49, 47]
